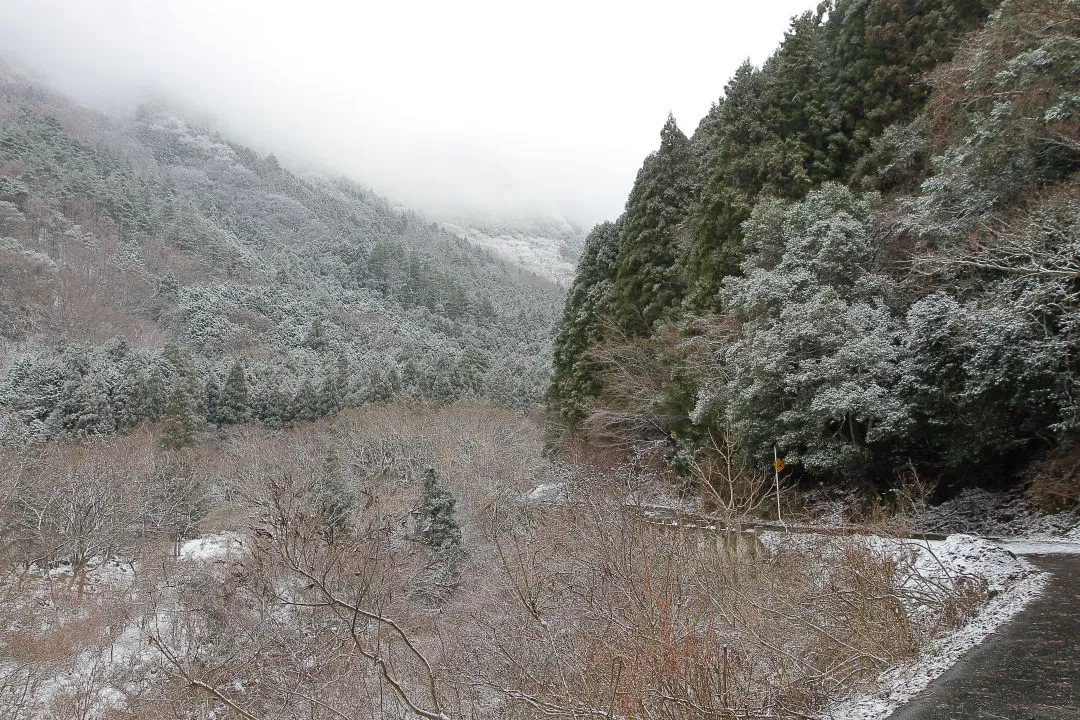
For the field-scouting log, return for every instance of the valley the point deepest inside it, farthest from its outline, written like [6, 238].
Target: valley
[778, 441]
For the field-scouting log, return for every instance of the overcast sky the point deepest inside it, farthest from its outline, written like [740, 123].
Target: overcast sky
[516, 108]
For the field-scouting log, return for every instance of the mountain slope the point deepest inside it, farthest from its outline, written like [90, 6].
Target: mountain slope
[201, 256]
[550, 248]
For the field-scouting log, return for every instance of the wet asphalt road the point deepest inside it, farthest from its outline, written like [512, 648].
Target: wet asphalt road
[1029, 669]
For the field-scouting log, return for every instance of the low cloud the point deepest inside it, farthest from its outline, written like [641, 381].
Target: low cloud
[509, 109]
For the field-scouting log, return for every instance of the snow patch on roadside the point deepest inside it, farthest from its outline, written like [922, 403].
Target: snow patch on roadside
[1012, 582]
[959, 555]
[1039, 546]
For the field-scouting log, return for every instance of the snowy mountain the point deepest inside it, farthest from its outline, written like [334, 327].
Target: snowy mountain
[549, 248]
[147, 255]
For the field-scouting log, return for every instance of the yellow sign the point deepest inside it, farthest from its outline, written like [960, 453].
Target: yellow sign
[778, 463]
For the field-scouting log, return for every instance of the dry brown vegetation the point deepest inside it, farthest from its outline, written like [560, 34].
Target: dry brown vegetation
[329, 605]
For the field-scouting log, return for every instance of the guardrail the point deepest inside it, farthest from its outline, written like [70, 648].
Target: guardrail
[671, 518]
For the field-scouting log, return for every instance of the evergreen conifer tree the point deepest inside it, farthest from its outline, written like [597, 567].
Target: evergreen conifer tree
[155, 396]
[181, 420]
[647, 283]
[437, 521]
[234, 405]
[211, 400]
[307, 401]
[576, 377]
[335, 386]
[335, 500]
[316, 337]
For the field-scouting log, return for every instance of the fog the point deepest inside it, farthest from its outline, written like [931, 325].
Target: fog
[507, 108]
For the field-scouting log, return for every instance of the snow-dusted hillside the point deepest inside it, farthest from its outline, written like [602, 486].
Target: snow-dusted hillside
[550, 248]
[181, 237]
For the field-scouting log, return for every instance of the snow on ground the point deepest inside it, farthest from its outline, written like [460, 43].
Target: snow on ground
[123, 656]
[969, 555]
[102, 573]
[109, 654]
[98, 677]
[218, 547]
[86, 644]
[1012, 583]
[548, 493]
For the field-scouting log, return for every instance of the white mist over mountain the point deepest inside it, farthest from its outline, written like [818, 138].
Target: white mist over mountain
[540, 110]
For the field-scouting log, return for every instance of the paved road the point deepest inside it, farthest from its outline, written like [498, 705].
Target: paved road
[1029, 669]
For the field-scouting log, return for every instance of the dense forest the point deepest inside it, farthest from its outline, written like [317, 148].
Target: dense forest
[865, 258]
[152, 270]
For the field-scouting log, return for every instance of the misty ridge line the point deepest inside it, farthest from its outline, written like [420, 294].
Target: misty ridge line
[478, 108]
[482, 212]
[547, 245]
[181, 262]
